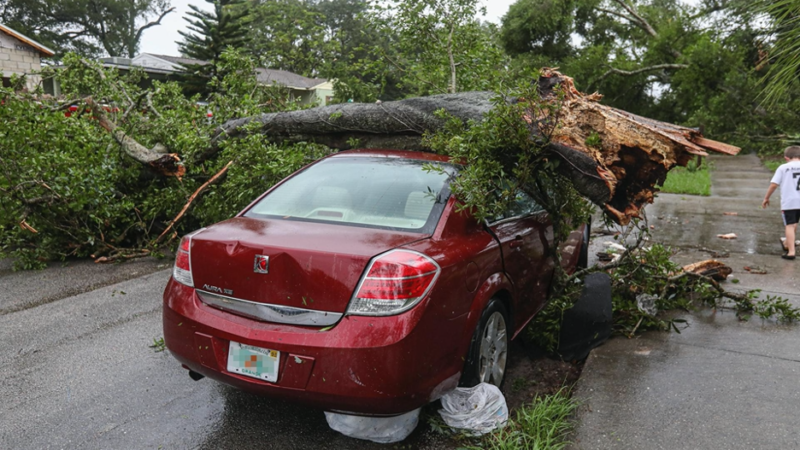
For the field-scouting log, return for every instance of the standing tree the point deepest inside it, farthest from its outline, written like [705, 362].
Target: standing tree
[209, 35]
[290, 35]
[348, 25]
[433, 46]
[89, 27]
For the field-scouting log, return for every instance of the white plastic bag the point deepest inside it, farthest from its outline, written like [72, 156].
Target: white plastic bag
[647, 304]
[478, 409]
[384, 430]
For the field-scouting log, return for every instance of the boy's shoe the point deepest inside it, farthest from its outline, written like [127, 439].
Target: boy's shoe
[786, 256]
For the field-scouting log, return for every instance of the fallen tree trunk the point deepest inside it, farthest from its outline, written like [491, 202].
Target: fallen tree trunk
[620, 174]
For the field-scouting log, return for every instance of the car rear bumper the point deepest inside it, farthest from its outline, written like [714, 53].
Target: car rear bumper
[363, 365]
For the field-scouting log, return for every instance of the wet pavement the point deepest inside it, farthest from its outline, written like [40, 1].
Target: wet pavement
[720, 383]
[77, 372]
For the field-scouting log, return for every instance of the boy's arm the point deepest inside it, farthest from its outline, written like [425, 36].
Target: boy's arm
[772, 187]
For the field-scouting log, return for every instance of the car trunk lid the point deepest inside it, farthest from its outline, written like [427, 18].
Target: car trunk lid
[312, 266]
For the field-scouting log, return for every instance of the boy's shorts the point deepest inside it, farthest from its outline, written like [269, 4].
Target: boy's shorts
[791, 216]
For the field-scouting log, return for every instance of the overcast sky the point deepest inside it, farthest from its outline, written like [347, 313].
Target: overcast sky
[161, 39]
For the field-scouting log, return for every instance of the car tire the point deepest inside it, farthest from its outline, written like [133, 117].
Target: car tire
[488, 351]
[583, 257]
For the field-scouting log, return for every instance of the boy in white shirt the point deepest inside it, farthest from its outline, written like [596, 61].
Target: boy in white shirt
[788, 178]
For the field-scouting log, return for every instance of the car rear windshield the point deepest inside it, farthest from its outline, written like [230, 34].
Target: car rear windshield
[375, 192]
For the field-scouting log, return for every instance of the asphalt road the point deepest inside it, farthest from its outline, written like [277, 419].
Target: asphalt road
[77, 372]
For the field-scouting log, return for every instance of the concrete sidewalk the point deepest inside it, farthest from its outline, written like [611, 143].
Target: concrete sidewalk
[720, 383]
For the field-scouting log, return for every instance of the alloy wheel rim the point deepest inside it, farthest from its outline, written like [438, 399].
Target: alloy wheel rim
[494, 350]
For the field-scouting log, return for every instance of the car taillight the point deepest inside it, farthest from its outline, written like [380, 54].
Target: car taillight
[394, 282]
[182, 271]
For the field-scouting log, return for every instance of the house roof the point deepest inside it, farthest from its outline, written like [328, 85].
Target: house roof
[16, 34]
[179, 60]
[266, 76]
[152, 62]
[288, 79]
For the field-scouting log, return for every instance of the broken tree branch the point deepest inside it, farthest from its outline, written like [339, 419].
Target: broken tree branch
[150, 106]
[191, 200]
[167, 165]
[122, 255]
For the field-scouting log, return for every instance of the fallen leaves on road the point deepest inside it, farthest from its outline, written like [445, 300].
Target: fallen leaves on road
[755, 270]
[727, 236]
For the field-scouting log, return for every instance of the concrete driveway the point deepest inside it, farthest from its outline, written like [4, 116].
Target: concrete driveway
[720, 383]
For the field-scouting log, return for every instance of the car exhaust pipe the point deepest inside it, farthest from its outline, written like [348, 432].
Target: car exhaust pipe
[195, 376]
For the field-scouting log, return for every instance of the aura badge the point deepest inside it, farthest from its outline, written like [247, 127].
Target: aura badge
[262, 264]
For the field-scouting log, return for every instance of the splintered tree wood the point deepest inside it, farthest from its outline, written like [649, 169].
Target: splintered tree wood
[717, 270]
[630, 155]
[633, 154]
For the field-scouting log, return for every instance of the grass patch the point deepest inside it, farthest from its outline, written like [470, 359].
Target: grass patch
[692, 179]
[772, 164]
[542, 425]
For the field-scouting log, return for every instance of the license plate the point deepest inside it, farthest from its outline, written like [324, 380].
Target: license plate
[253, 361]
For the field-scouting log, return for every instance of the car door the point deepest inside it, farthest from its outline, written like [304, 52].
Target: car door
[524, 234]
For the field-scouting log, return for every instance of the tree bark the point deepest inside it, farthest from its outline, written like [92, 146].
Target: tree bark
[619, 174]
[157, 161]
[398, 125]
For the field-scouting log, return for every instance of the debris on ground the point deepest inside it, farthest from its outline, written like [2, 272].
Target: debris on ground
[730, 214]
[755, 270]
[717, 270]
[716, 253]
[478, 410]
[646, 303]
[604, 257]
[384, 430]
[604, 232]
[727, 236]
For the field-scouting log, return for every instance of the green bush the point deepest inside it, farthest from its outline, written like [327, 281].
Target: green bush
[68, 189]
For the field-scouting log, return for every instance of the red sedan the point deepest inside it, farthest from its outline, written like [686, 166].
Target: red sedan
[357, 286]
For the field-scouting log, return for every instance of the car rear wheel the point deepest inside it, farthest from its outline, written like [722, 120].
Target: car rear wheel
[488, 352]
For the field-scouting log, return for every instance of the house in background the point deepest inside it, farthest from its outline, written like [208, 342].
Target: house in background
[21, 55]
[307, 91]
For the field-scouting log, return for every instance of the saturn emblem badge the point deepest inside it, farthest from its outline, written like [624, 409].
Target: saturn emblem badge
[262, 264]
